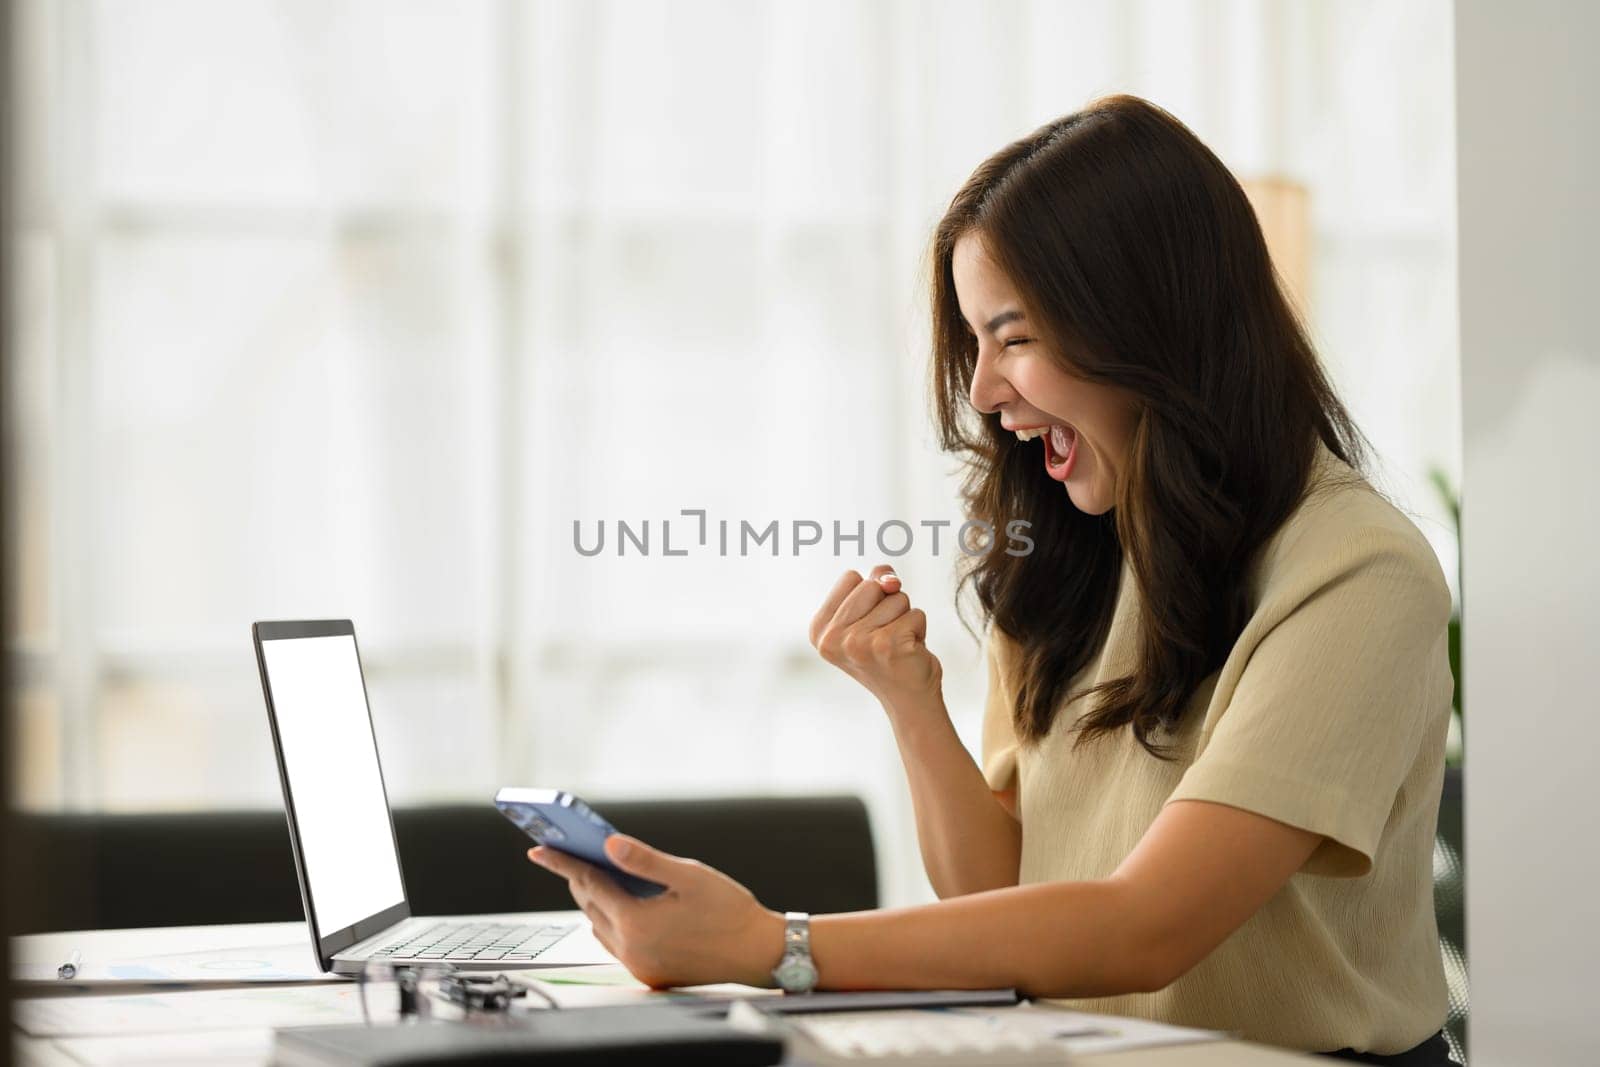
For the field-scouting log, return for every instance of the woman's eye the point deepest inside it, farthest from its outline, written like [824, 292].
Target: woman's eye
[1016, 341]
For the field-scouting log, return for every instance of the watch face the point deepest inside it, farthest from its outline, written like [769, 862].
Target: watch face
[796, 974]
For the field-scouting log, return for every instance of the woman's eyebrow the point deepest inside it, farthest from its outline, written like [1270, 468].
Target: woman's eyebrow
[1004, 317]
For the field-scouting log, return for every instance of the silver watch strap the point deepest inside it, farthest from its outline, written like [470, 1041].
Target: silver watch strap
[797, 933]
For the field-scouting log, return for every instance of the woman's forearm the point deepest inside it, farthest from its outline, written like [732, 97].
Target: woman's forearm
[969, 841]
[1060, 939]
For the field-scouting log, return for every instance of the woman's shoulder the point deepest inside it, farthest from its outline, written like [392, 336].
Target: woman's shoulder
[1345, 529]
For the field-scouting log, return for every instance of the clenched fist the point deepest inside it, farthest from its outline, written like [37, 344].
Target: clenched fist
[868, 629]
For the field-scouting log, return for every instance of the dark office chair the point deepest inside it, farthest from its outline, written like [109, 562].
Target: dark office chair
[88, 871]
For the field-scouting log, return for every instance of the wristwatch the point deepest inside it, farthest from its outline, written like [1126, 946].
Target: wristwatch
[795, 973]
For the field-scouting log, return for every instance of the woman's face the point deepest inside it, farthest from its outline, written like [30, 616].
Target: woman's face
[1084, 428]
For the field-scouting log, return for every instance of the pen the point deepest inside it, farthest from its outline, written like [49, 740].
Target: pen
[70, 968]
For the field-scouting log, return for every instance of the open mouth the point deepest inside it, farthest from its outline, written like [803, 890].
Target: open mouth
[1060, 447]
[1060, 451]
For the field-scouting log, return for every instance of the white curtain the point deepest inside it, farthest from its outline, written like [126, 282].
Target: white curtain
[354, 308]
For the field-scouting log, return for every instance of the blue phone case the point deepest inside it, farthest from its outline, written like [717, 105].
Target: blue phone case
[561, 821]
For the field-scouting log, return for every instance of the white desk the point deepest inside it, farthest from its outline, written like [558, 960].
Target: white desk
[248, 1044]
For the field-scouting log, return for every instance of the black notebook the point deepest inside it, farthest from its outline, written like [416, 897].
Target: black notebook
[642, 1034]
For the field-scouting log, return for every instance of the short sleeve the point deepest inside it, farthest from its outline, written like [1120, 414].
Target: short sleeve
[999, 733]
[1329, 712]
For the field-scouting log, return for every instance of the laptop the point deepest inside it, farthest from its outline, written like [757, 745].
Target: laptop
[343, 833]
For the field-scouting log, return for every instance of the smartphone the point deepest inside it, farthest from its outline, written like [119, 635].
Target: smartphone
[561, 821]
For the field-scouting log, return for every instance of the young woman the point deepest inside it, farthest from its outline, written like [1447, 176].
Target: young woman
[1218, 685]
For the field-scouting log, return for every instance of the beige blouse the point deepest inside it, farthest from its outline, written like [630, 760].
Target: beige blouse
[1329, 714]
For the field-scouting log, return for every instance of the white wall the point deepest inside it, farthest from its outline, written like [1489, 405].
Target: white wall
[1529, 159]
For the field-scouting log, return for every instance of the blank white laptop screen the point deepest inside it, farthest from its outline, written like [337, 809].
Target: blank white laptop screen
[331, 759]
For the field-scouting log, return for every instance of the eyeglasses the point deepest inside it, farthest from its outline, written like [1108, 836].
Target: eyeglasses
[489, 992]
[421, 988]
[414, 984]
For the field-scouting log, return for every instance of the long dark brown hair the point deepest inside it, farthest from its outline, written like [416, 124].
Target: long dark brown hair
[1140, 264]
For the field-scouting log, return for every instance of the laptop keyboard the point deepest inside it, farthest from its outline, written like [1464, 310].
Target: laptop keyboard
[460, 942]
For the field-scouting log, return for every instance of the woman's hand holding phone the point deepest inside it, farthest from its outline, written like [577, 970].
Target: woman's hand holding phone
[868, 629]
[704, 927]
